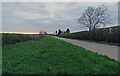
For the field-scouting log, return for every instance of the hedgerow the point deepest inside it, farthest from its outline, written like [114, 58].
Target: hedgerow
[10, 38]
[111, 34]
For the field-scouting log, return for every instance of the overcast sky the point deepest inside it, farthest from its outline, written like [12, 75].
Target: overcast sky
[48, 16]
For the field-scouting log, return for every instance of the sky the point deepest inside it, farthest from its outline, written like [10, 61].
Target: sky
[31, 17]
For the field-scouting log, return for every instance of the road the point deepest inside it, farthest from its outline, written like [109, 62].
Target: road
[109, 50]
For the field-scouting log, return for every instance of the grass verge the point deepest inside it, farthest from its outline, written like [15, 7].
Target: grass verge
[49, 55]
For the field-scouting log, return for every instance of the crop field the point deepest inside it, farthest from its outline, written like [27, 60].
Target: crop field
[48, 55]
[15, 38]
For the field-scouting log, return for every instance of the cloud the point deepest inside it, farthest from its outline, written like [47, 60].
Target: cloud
[49, 16]
[59, 0]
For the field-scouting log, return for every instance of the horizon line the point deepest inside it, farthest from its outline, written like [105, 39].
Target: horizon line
[24, 32]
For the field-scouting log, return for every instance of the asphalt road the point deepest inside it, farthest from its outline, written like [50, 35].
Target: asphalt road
[109, 50]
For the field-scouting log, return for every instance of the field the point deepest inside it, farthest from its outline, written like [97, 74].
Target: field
[48, 55]
[12, 38]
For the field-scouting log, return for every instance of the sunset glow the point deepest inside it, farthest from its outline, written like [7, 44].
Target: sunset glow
[21, 32]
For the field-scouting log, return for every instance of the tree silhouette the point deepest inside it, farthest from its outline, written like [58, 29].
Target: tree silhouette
[68, 30]
[95, 17]
[59, 32]
[56, 32]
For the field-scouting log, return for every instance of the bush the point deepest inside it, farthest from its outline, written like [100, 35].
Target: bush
[14, 38]
[111, 34]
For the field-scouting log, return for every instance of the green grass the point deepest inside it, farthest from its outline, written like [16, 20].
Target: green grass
[52, 56]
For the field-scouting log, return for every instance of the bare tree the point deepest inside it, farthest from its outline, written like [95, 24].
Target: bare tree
[42, 32]
[45, 32]
[93, 17]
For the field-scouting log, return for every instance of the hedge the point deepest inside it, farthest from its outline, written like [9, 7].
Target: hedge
[111, 34]
[11, 38]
